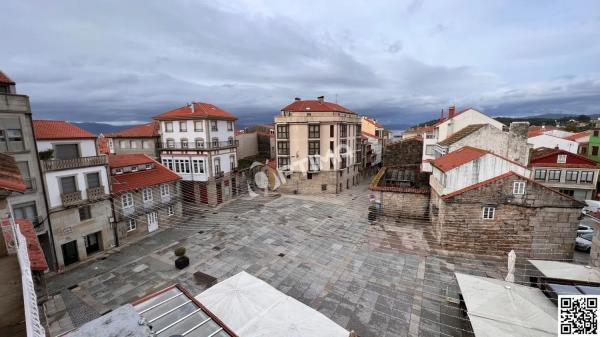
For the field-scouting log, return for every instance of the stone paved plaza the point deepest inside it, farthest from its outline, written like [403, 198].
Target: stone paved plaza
[382, 279]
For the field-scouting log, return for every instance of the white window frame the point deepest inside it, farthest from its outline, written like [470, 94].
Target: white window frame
[147, 194]
[561, 158]
[170, 210]
[199, 123]
[168, 126]
[148, 166]
[131, 224]
[134, 169]
[198, 166]
[229, 126]
[184, 123]
[127, 200]
[519, 187]
[488, 213]
[165, 190]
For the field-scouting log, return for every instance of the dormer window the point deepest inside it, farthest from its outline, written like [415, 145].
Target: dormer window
[561, 159]
[134, 169]
[119, 171]
[148, 166]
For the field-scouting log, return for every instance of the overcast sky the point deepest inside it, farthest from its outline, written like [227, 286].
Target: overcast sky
[399, 61]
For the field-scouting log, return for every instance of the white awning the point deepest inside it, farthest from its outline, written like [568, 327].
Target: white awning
[567, 271]
[253, 308]
[500, 308]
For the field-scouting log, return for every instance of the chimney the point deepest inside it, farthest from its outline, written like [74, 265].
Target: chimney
[192, 107]
[451, 111]
[442, 115]
[297, 99]
[519, 128]
[321, 99]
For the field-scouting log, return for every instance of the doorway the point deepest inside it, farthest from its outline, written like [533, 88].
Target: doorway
[70, 254]
[152, 221]
[219, 193]
[92, 243]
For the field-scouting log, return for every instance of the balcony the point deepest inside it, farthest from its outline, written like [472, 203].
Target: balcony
[71, 198]
[95, 193]
[219, 174]
[65, 164]
[198, 145]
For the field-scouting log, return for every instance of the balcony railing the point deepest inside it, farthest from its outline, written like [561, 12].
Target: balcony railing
[71, 198]
[198, 145]
[96, 193]
[219, 174]
[65, 164]
[139, 209]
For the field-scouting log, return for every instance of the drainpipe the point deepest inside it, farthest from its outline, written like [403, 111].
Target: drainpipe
[114, 214]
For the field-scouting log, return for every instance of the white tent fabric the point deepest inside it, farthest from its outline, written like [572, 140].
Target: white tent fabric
[493, 304]
[253, 308]
[567, 271]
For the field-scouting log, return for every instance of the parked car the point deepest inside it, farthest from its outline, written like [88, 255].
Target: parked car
[583, 242]
[583, 229]
[591, 206]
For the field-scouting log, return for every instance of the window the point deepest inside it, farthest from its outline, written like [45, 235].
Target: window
[561, 159]
[147, 144]
[540, 175]
[93, 179]
[314, 131]
[230, 141]
[119, 171]
[199, 143]
[283, 148]
[181, 165]
[594, 150]
[283, 163]
[567, 192]
[68, 184]
[309, 175]
[343, 130]
[489, 213]
[519, 187]
[184, 143]
[127, 200]
[343, 146]
[85, 213]
[124, 144]
[596, 132]
[131, 225]
[213, 126]
[66, 151]
[27, 210]
[232, 162]
[324, 187]
[554, 175]
[215, 142]
[583, 150]
[229, 126]
[314, 147]
[314, 163]
[25, 173]
[199, 126]
[171, 210]
[133, 144]
[587, 177]
[217, 165]
[571, 176]
[331, 147]
[183, 126]
[170, 143]
[165, 190]
[429, 149]
[168, 126]
[11, 136]
[168, 163]
[198, 166]
[283, 131]
[134, 169]
[429, 135]
[358, 130]
[148, 166]
[331, 133]
[147, 194]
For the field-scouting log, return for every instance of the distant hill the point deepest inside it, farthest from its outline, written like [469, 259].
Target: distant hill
[98, 128]
[547, 119]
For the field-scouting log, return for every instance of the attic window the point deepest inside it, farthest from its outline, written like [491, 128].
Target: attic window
[148, 166]
[562, 158]
[134, 169]
[118, 171]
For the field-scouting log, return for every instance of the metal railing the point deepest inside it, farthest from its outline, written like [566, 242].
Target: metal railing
[146, 206]
[96, 193]
[71, 198]
[198, 145]
[64, 164]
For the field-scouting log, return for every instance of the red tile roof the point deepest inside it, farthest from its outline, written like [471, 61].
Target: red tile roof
[458, 158]
[140, 179]
[578, 135]
[37, 260]
[315, 106]
[200, 111]
[536, 130]
[10, 176]
[366, 134]
[147, 130]
[5, 79]
[545, 157]
[500, 177]
[374, 122]
[49, 129]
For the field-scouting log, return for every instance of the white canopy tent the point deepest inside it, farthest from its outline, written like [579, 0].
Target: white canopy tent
[567, 271]
[499, 308]
[253, 308]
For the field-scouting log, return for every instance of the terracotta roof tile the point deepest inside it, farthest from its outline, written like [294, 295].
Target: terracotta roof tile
[200, 111]
[460, 134]
[139, 131]
[315, 106]
[50, 129]
[573, 160]
[374, 122]
[140, 179]
[458, 158]
[37, 260]
[578, 135]
[5, 79]
[366, 134]
[10, 176]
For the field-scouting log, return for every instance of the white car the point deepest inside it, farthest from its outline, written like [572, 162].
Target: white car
[591, 206]
[583, 229]
[583, 242]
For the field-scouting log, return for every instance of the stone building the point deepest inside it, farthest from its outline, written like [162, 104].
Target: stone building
[318, 146]
[402, 191]
[485, 204]
[197, 142]
[145, 196]
[569, 173]
[138, 139]
[247, 144]
[265, 134]
[17, 140]
[77, 189]
[407, 151]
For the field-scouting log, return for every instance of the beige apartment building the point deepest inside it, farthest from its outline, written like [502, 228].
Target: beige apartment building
[318, 146]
